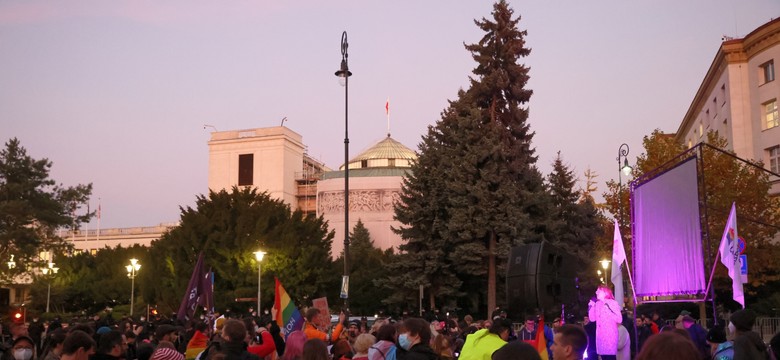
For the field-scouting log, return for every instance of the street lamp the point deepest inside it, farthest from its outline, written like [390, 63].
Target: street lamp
[343, 74]
[625, 169]
[605, 266]
[11, 263]
[132, 269]
[259, 256]
[599, 273]
[50, 269]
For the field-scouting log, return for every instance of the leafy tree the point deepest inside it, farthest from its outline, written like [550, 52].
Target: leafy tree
[367, 262]
[32, 208]
[726, 180]
[487, 194]
[228, 227]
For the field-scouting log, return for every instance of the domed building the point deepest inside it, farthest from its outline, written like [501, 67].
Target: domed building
[375, 178]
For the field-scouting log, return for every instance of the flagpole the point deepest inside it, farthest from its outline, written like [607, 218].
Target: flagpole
[712, 273]
[387, 108]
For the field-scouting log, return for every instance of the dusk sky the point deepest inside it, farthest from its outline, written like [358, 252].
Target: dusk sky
[117, 93]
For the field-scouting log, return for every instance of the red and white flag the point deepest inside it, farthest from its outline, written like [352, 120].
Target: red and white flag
[387, 107]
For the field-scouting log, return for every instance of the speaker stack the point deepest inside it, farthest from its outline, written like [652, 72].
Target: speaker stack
[540, 276]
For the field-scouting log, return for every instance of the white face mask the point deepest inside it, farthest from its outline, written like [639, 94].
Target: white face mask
[23, 354]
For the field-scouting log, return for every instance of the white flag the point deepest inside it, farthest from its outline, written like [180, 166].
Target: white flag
[729, 254]
[618, 257]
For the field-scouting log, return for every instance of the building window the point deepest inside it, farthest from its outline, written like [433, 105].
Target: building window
[246, 164]
[715, 107]
[391, 162]
[701, 129]
[770, 114]
[723, 94]
[768, 70]
[774, 159]
[363, 164]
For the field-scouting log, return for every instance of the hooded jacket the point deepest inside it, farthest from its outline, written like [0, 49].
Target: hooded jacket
[749, 346]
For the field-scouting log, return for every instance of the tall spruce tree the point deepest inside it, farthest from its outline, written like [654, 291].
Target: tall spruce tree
[475, 190]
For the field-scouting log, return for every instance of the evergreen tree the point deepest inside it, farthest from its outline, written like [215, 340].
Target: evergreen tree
[475, 190]
[367, 263]
[32, 208]
[578, 221]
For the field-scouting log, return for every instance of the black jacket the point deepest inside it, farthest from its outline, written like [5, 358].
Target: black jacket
[417, 352]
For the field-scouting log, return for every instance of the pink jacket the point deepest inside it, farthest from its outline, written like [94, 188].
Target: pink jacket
[606, 314]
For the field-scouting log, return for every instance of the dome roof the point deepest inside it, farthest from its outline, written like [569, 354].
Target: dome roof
[386, 153]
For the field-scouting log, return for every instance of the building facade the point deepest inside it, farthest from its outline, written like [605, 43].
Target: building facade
[375, 178]
[739, 97]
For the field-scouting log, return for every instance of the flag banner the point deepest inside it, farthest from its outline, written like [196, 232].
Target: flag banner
[618, 257]
[541, 340]
[199, 291]
[729, 255]
[387, 107]
[284, 312]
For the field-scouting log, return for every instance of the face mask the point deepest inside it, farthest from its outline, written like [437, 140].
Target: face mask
[23, 354]
[403, 340]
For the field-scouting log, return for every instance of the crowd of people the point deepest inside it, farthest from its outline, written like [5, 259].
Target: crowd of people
[602, 334]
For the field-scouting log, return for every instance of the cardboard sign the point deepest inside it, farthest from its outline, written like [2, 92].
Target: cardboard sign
[322, 305]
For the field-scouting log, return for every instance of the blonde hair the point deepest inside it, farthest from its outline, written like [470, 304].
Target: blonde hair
[363, 342]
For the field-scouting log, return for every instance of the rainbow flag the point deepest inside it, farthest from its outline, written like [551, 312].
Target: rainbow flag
[541, 341]
[284, 312]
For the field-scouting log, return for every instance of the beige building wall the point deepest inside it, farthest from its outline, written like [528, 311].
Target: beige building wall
[371, 200]
[278, 158]
[733, 96]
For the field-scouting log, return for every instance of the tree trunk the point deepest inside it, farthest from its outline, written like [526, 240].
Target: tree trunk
[491, 295]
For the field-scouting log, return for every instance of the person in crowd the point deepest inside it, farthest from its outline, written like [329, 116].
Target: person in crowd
[668, 345]
[166, 351]
[111, 346]
[442, 347]
[132, 347]
[78, 345]
[569, 343]
[315, 349]
[481, 344]
[362, 343]
[698, 335]
[198, 342]
[16, 330]
[657, 320]
[265, 345]
[294, 347]
[720, 347]
[590, 329]
[516, 350]
[747, 343]
[341, 350]
[233, 344]
[774, 346]
[312, 332]
[414, 340]
[35, 331]
[605, 311]
[624, 344]
[384, 349]
[642, 331]
[165, 332]
[528, 331]
[22, 348]
[53, 344]
[353, 331]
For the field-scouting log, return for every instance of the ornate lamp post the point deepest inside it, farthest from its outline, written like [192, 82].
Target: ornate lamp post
[259, 257]
[132, 269]
[343, 74]
[624, 169]
[50, 269]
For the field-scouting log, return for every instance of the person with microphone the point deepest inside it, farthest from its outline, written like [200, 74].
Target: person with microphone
[605, 311]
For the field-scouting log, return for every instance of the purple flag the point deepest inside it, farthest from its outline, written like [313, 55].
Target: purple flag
[199, 291]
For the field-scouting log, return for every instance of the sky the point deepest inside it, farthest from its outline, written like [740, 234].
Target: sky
[117, 93]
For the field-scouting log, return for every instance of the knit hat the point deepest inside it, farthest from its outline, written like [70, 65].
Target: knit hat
[716, 335]
[166, 354]
[743, 319]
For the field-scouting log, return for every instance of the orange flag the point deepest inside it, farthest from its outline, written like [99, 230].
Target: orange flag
[541, 342]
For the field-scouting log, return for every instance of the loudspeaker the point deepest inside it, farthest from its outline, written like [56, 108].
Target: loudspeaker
[540, 276]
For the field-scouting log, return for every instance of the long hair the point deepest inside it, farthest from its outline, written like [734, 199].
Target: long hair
[607, 291]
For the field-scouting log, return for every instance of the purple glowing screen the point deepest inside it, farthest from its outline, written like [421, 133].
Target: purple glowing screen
[667, 242]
